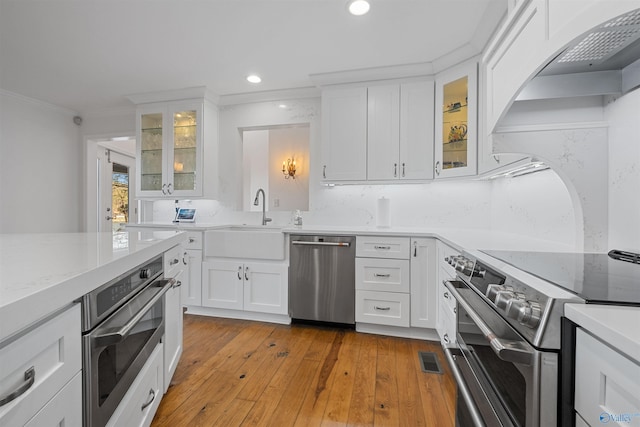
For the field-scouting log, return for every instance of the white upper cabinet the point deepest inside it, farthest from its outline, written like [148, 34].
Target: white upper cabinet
[176, 149]
[416, 130]
[344, 134]
[383, 132]
[456, 112]
[400, 131]
[379, 133]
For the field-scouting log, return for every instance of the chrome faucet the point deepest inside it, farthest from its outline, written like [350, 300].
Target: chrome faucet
[265, 220]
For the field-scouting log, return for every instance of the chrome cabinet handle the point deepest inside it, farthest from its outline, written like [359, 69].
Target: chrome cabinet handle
[415, 244]
[177, 284]
[164, 189]
[324, 171]
[445, 338]
[152, 393]
[438, 167]
[246, 273]
[381, 275]
[386, 248]
[29, 379]
[382, 308]
[240, 273]
[184, 258]
[191, 240]
[446, 295]
[174, 261]
[108, 218]
[403, 170]
[169, 190]
[395, 170]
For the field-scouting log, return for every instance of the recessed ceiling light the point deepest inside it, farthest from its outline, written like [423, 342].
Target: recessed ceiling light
[358, 7]
[282, 106]
[254, 78]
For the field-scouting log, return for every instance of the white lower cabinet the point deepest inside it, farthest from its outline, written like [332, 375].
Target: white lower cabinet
[42, 366]
[141, 402]
[382, 308]
[249, 286]
[447, 305]
[423, 283]
[607, 388]
[58, 412]
[192, 290]
[173, 319]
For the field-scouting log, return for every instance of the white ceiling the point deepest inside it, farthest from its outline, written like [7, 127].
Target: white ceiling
[86, 55]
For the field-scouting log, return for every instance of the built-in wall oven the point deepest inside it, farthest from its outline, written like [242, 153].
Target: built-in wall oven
[506, 362]
[123, 322]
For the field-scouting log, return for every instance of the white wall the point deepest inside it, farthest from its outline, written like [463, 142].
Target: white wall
[41, 167]
[623, 116]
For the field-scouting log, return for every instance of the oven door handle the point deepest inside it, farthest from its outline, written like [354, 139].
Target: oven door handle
[517, 352]
[114, 337]
[463, 389]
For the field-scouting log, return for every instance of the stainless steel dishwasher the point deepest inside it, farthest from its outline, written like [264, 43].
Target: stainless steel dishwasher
[322, 278]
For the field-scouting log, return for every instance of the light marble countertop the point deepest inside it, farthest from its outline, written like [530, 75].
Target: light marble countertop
[42, 273]
[617, 326]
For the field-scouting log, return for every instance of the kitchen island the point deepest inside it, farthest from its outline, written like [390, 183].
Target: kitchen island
[42, 273]
[45, 362]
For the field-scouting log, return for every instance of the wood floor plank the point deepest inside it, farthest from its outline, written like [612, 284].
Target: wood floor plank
[242, 373]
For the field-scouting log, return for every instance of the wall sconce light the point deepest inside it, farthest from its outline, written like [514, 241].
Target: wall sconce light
[289, 169]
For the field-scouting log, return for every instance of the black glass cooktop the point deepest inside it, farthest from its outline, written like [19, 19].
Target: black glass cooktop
[597, 278]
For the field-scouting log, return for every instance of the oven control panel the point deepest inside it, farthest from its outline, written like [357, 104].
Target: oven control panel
[512, 298]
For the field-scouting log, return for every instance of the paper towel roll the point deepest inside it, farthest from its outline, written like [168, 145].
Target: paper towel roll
[383, 217]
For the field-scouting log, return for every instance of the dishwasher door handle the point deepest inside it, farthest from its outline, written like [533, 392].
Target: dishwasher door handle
[305, 243]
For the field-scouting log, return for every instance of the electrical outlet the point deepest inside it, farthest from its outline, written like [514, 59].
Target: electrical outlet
[276, 203]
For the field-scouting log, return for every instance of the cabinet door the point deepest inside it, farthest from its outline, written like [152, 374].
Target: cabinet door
[192, 283]
[416, 130]
[266, 288]
[456, 118]
[173, 328]
[184, 145]
[383, 132]
[222, 284]
[150, 153]
[65, 409]
[423, 283]
[344, 134]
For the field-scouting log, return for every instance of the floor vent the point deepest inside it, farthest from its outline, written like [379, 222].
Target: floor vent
[429, 362]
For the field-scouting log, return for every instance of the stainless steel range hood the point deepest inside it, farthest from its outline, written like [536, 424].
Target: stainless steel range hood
[604, 61]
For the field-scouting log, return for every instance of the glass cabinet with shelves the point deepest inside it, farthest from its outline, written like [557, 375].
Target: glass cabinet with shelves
[170, 150]
[456, 118]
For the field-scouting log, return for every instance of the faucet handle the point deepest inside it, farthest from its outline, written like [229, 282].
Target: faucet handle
[266, 220]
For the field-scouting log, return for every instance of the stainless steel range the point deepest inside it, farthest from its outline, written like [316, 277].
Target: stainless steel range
[507, 358]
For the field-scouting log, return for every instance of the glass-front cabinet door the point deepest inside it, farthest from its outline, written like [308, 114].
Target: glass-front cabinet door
[169, 150]
[456, 122]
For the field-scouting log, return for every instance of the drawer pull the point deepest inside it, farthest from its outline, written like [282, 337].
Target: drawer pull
[184, 258]
[174, 261]
[191, 240]
[386, 248]
[29, 379]
[381, 275]
[446, 295]
[445, 338]
[239, 273]
[177, 284]
[152, 393]
[382, 308]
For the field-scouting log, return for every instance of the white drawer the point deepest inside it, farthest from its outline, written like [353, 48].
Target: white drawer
[65, 409]
[141, 401]
[54, 351]
[383, 308]
[194, 240]
[173, 258]
[383, 247]
[445, 297]
[387, 275]
[606, 382]
[447, 326]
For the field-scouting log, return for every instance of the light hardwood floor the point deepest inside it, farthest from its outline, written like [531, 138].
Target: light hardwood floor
[241, 373]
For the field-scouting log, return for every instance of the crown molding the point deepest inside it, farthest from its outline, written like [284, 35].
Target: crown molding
[372, 74]
[110, 111]
[39, 103]
[270, 95]
[197, 92]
